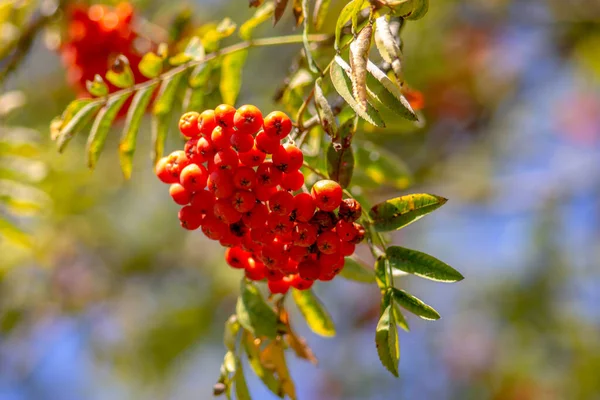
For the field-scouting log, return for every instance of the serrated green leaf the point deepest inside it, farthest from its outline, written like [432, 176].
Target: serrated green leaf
[312, 64]
[381, 266]
[265, 375]
[386, 340]
[414, 305]
[136, 111]
[194, 49]
[101, 127]
[398, 212]
[77, 123]
[343, 85]
[253, 313]
[344, 17]
[166, 94]
[232, 327]
[400, 319]
[340, 164]
[324, 110]
[315, 314]
[151, 65]
[387, 93]
[120, 73]
[376, 166]
[355, 271]
[421, 264]
[231, 76]
[262, 14]
[97, 87]
[241, 387]
[320, 12]
[72, 109]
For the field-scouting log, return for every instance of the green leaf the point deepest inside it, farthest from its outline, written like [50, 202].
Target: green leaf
[274, 355]
[253, 313]
[355, 270]
[340, 164]
[386, 340]
[101, 127]
[266, 376]
[414, 305]
[97, 87]
[200, 76]
[398, 212]
[120, 73]
[194, 49]
[387, 93]
[262, 14]
[409, 9]
[312, 65]
[400, 320]
[166, 95]
[136, 111]
[77, 123]
[314, 312]
[160, 129]
[343, 85]
[324, 110]
[320, 12]
[376, 166]
[421, 264]
[151, 65]
[345, 15]
[241, 387]
[231, 76]
[381, 266]
[232, 327]
[358, 6]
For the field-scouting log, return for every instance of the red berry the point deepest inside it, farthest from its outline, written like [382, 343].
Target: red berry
[288, 158]
[180, 194]
[203, 201]
[273, 255]
[292, 181]
[213, 228]
[255, 270]
[191, 151]
[163, 171]
[248, 119]
[268, 175]
[328, 242]
[221, 138]
[176, 161]
[331, 262]
[347, 248]
[262, 235]
[207, 123]
[226, 159]
[188, 124]
[298, 253]
[309, 270]
[300, 283]
[277, 125]
[243, 201]
[238, 229]
[280, 286]
[266, 144]
[242, 142]
[230, 240]
[350, 210]
[256, 217]
[346, 230]
[253, 157]
[220, 183]
[327, 194]
[205, 149]
[264, 193]
[236, 257]
[304, 207]
[304, 235]
[226, 212]
[281, 203]
[360, 234]
[279, 224]
[274, 274]
[324, 219]
[224, 115]
[244, 178]
[190, 219]
[193, 177]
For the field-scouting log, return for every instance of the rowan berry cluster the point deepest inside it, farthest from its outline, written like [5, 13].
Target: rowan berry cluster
[235, 180]
[95, 35]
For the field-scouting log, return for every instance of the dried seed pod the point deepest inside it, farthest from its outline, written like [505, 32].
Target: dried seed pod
[359, 55]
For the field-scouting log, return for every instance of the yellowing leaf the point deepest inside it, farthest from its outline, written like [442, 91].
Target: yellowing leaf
[151, 65]
[398, 212]
[231, 76]
[386, 340]
[97, 87]
[320, 12]
[314, 312]
[261, 15]
[120, 73]
[254, 314]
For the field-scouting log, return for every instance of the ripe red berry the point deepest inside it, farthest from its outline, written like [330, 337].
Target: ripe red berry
[280, 286]
[331, 262]
[221, 138]
[207, 123]
[188, 124]
[255, 270]
[243, 201]
[203, 201]
[238, 229]
[230, 240]
[213, 228]
[292, 181]
[304, 207]
[226, 212]
[242, 142]
[262, 235]
[253, 157]
[277, 125]
[266, 143]
[176, 161]
[220, 183]
[180, 194]
[248, 119]
[224, 115]
[236, 257]
[190, 219]
[324, 219]
[244, 178]
[350, 210]
[328, 242]
[163, 171]
[360, 234]
[288, 158]
[346, 230]
[256, 217]
[274, 274]
[226, 159]
[347, 248]
[300, 283]
[193, 177]
[281, 203]
[191, 151]
[268, 175]
[327, 194]
[304, 234]
[298, 253]
[205, 149]
[309, 270]
[264, 193]
[279, 224]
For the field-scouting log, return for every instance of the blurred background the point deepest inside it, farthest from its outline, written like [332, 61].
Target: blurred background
[113, 300]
